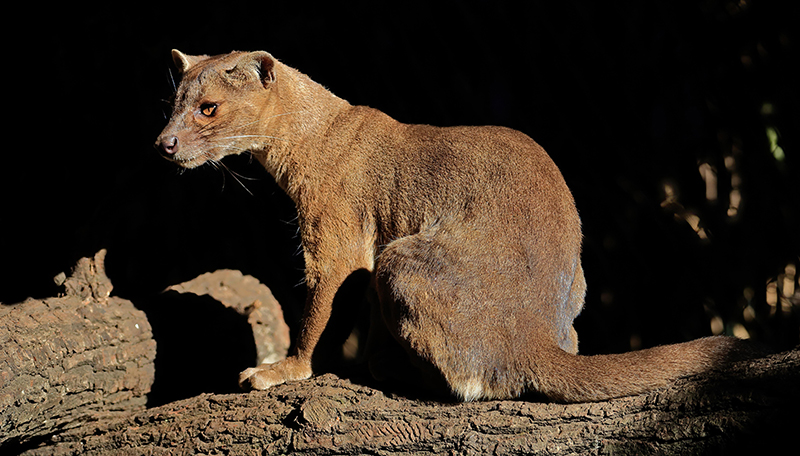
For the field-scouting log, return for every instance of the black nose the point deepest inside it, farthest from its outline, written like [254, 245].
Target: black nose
[168, 145]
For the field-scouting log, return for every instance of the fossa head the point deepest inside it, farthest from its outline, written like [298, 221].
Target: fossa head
[218, 106]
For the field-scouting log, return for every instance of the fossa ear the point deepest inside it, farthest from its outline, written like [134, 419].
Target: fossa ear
[262, 63]
[183, 62]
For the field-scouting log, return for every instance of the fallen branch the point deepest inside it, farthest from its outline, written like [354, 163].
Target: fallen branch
[744, 408]
[74, 371]
[72, 359]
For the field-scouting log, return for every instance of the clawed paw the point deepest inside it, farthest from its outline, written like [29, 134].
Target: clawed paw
[267, 375]
[257, 378]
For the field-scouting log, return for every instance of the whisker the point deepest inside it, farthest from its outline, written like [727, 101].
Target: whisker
[239, 150]
[272, 117]
[299, 250]
[242, 177]
[222, 166]
[219, 166]
[172, 79]
[258, 136]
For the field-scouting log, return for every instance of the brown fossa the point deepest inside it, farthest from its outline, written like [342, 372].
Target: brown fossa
[470, 235]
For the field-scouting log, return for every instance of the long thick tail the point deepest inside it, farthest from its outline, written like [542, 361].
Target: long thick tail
[565, 377]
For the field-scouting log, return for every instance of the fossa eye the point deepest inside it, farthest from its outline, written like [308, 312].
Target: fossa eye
[208, 109]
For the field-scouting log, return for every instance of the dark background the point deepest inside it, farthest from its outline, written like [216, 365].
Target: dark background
[627, 97]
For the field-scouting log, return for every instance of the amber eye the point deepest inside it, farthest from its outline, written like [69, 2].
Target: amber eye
[208, 109]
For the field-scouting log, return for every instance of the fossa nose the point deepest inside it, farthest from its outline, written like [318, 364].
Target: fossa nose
[167, 145]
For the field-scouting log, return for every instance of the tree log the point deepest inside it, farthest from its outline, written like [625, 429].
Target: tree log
[72, 359]
[74, 371]
[251, 299]
[751, 406]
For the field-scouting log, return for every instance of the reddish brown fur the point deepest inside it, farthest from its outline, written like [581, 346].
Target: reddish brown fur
[470, 233]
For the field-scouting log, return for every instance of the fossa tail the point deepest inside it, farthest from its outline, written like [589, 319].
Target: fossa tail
[575, 378]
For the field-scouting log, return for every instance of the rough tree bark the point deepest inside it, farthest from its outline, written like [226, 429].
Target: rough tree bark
[749, 407]
[70, 359]
[249, 298]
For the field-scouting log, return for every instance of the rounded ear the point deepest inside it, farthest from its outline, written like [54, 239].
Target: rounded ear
[264, 65]
[183, 62]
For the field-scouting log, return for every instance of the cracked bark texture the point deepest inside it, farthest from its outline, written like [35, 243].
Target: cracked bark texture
[752, 406]
[74, 371]
[249, 298]
[71, 359]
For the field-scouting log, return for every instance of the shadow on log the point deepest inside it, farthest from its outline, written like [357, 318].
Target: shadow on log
[748, 407]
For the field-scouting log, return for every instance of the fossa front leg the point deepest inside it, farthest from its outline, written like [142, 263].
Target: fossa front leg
[298, 365]
[265, 376]
[321, 291]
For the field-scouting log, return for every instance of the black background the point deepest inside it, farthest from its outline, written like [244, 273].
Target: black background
[625, 96]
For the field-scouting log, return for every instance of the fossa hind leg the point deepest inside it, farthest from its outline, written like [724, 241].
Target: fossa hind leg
[433, 302]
